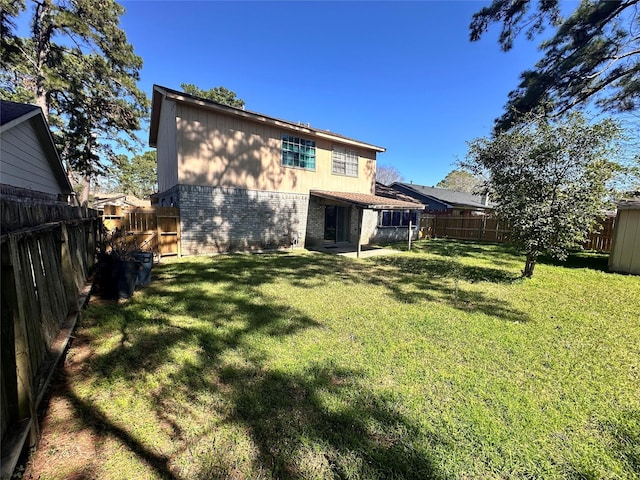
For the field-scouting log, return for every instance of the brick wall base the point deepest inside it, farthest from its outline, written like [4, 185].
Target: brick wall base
[219, 219]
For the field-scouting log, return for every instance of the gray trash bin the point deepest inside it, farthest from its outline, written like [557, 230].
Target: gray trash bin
[146, 262]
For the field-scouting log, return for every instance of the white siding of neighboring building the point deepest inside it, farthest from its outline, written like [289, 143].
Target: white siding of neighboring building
[24, 162]
[625, 250]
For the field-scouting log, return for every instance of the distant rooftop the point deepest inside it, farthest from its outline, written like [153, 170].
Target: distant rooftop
[450, 197]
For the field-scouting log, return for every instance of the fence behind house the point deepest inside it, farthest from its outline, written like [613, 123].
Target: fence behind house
[153, 229]
[47, 253]
[601, 240]
[491, 229]
[476, 227]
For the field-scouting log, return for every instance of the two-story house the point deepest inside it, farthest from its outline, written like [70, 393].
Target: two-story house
[248, 181]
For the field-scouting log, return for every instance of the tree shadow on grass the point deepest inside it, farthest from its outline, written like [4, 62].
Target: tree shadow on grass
[433, 279]
[499, 252]
[321, 422]
[446, 267]
[625, 433]
[409, 279]
[286, 416]
[299, 436]
[588, 260]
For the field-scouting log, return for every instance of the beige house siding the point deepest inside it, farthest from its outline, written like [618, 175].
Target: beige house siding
[625, 250]
[166, 151]
[226, 151]
[24, 162]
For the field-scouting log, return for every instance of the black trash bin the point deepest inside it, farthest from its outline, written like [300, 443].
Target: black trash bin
[146, 262]
[126, 274]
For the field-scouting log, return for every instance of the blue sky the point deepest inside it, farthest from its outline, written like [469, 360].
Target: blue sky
[401, 75]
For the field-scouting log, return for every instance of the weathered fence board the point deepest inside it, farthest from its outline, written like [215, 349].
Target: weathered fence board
[47, 252]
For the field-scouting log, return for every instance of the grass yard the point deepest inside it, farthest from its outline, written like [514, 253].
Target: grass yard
[307, 365]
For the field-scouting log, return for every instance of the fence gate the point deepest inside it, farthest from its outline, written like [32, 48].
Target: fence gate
[152, 229]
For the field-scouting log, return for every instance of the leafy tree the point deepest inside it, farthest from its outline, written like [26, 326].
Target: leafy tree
[79, 68]
[137, 176]
[460, 181]
[217, 94]
[387, 174]
[549, 180]
[594, 54]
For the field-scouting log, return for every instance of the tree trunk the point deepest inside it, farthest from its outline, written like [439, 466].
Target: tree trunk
[86, 186]
[530, 265]
[42, 31]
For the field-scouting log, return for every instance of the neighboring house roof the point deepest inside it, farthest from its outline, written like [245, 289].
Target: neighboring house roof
[367, 201]
[159, 93]
[450, 198]
[13, 114]
[119, 199]
[383, 190]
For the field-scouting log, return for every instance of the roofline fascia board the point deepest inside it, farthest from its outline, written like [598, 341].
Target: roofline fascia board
[18, 120]
[258, 117]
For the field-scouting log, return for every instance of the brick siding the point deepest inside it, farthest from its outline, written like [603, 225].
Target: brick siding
[219, 219]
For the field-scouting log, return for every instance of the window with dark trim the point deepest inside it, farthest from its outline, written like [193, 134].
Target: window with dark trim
[345, 162]
[397, 218]
[298, 152]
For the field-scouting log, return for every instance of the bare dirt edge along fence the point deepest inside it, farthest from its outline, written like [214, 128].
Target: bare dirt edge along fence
[47, 253]
[492, 229]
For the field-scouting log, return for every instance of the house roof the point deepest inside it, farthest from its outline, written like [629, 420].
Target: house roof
[449, 197]
[383, 190]
[13, 114]
[159, 93]
[368, 201]
[10, 111]
[116, 198]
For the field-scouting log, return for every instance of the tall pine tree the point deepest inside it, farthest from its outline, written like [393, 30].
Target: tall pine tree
[78, 66]
[594, 55]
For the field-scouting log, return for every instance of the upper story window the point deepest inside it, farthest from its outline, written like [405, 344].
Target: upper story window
[298, 152]
[345, 162]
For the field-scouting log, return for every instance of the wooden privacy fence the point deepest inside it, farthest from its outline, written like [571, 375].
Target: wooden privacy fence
[152, 229]
[601, 240]
[481, 228]
[491, 229]
[47, 253]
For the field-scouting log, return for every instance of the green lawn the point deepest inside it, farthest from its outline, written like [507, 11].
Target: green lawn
[307, 365]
